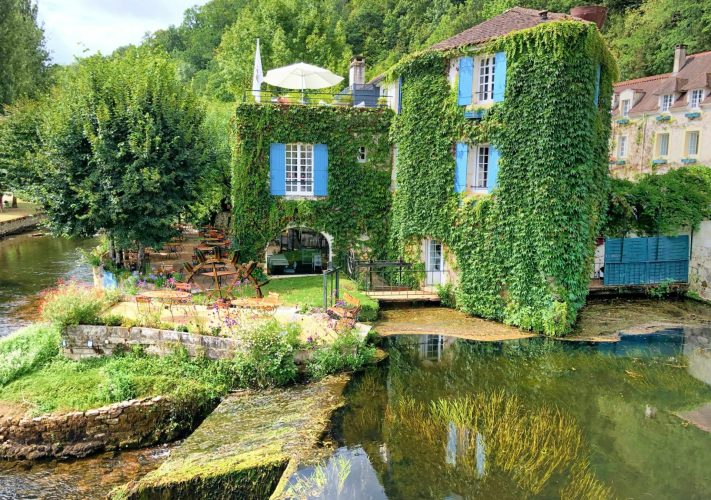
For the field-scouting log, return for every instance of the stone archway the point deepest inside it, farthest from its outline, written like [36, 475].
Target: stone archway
[299, 250]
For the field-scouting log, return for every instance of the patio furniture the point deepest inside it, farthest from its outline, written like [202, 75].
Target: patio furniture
[268, 303]
[348, 308]
[217, 278]
[277, 260]
[316, 261]
[145, 301]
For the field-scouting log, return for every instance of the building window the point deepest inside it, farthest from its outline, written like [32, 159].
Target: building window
[622, 146]
[695, 98]
[692, 143]
[665, 102]
[662, 144]
[485, 82]
[362, 154]
[300, 169]
[481, 167]
[626, 105]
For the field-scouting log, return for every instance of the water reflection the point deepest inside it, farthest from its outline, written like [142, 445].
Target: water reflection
[30, 264]
[451, 418]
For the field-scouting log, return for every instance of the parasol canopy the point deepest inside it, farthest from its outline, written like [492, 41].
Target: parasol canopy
[302, 76]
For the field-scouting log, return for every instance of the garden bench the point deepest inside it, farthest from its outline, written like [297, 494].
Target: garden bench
[348, 308]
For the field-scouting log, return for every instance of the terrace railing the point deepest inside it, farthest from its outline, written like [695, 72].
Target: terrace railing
[317, 98]
[331, 285]
[396, 279]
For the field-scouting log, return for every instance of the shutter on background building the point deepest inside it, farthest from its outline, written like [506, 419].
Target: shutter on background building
[499, 76]
[466, 81]
[320, 170]
[493, 173]
[597, 84]
[277, 169]
[460, 171]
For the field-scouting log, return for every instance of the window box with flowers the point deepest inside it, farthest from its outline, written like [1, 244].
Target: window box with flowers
[663, 118]
[659, 161]
[623, 121]
[688, 161]
[693, 115]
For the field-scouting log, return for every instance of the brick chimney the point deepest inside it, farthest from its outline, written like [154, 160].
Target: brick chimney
[356, 73]
[594, 13]
[679, 57]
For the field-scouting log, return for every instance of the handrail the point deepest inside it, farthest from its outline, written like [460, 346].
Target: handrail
[335, 284]
[318, 98]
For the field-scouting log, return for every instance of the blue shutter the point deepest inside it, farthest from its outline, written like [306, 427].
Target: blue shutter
[499, 76]
[399, 95]
[597, 85]
[460, 171]
[466, 81]
[277, 169]
[320, 170]
[493, 173]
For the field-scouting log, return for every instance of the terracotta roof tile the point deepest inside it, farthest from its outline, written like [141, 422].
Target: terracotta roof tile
[514, 19]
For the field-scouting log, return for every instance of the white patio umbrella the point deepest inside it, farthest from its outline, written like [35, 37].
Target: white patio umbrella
[302, 76]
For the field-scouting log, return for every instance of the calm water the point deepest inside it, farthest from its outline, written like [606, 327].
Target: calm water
[451, 419]
[28, 265]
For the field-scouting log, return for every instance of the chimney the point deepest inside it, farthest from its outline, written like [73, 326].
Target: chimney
[356, 73]
[594, 13]
[679, 57]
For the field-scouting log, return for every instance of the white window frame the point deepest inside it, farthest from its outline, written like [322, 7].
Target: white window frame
[695, 98]
[665, 102]
[622, 146]
[362, 154]
[625, 106]
[481, 158]
[484, 80]
[696, 142]
[663, 153]
[299, 169]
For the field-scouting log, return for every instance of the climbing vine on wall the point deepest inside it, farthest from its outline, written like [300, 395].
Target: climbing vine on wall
[524, 252]
[359, 200]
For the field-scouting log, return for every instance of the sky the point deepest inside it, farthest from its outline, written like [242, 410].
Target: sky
[73, 26]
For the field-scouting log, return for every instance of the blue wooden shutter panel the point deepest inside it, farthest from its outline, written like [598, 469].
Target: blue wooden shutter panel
[493, 174]
[597, 84]
[460, 171]
[277, 169]
[320, 170]
[466, 81]
[499, 76]
[399, 95]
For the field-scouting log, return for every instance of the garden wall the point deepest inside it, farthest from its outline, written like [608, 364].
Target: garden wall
[129, 424]
[88, 341]
[700, 264]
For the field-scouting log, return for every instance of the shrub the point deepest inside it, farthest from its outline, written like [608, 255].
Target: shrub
[347, 353]
[73, 304]
[268, 359]
[26, 350]
[447, 296]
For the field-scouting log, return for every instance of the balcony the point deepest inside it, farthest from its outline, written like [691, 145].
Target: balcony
[357, 96]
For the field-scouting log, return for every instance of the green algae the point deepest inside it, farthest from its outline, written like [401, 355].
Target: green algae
[244, 446]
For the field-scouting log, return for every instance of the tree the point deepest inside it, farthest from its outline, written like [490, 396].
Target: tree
[23, 58]
[124, 148]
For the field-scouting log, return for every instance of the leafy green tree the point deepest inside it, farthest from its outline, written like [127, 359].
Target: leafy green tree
[125, 148]
[23, 58]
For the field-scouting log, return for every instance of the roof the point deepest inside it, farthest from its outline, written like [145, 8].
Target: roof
[517, 18]
[694, 74]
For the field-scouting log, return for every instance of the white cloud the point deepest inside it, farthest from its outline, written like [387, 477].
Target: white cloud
[83, 27]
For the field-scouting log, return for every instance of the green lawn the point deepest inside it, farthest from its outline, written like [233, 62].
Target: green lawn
[308, 291]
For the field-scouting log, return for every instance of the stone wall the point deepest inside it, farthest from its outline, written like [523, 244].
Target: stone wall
[700, 264]
[88, 341]
[130, 424]
[20, 225]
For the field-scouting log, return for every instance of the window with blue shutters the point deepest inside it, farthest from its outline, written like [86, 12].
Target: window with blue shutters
[493, 174]
[466, 81]
[460, 170]
[499, 76]
[597, 84]
[298, 169]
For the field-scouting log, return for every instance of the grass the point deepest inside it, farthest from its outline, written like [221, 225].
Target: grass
[27, 350]
[23, 209]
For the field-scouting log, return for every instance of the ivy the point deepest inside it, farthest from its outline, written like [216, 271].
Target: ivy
[359, 200]
[524, 252]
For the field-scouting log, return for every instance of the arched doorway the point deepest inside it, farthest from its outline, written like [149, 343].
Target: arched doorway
[298, 251]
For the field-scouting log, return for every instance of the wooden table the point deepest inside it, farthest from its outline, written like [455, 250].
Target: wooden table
[217, 278]
[166, 294]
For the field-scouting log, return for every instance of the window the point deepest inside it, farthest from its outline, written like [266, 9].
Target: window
[362, 154]
[626, 105]
[481, 167]
[300, 169]
[485, 82]
[662, 144]
[665, 102]
[695, 98]
[692, 143]
[622, 146]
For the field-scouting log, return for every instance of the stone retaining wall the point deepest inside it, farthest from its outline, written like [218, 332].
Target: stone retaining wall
[19, 225]
[130, 424]
[88, 341]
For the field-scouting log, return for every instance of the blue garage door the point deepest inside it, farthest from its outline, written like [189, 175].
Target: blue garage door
[644, 261]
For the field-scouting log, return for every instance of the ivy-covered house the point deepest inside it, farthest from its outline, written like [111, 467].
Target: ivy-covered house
[488, 171]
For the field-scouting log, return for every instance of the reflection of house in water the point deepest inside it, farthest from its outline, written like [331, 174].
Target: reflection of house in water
[457, 447]
[433, 347]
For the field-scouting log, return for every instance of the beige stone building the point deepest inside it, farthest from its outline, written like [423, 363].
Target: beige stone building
[663, 122]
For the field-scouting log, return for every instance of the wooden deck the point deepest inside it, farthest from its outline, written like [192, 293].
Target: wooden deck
[404, 296]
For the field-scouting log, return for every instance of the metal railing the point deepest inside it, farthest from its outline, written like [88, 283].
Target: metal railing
[396, 279]
[315, 98]
[331, 285]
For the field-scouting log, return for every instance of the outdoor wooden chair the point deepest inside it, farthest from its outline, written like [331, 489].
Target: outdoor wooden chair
[146, 301]
[348, 308]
